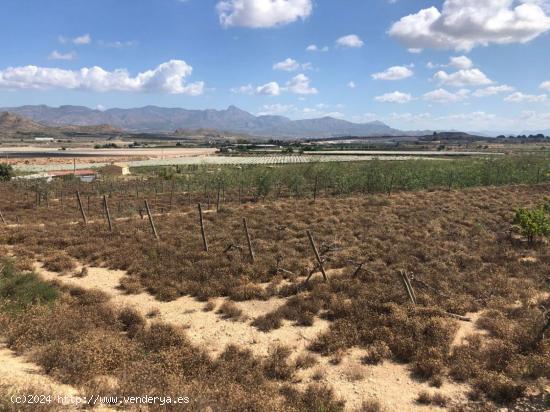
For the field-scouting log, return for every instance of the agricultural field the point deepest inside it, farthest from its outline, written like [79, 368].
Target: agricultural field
[357, 286]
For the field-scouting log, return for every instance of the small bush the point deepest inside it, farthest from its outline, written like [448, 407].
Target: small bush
[131, 285]
[499, 387]
[59, 263]
[131, 320]
[436, 399]
[376, 353]
[305, 361]
[210, 306]
[371, 405]
[276, 365]
[229, 310]
[268, 322]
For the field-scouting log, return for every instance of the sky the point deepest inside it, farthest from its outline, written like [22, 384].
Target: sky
[423, 64]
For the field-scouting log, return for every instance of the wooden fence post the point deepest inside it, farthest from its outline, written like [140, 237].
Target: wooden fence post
[315, 188]
[317, 256]
[204, 242]
[84, 218]
[153, 228]
[248, 241]
[107, 213]
[218, 199]
[407, 286]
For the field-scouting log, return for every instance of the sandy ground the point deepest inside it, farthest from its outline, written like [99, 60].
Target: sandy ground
[466, 329]
[205, 329]
[390, 383]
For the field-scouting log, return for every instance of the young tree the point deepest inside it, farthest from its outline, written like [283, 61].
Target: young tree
[533, 223]
[6, 172]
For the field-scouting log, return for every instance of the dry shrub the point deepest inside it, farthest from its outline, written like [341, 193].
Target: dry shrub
[354, 373]
[210, 306]
[87, 297]
[248, 291]
[376, 353]
[319, 374]
[305, 361]
[316, 397]
[132, 321]
[59, 262]
[436, 399]
[371, 405]
[160, 336]
[276, 365]
[268, 322]
[336, 358]
[229, 310]
[131, 285]
[499, 387]
[95, 353]
[429, 363]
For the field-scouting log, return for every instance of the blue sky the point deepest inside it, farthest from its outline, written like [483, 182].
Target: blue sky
[462, 64]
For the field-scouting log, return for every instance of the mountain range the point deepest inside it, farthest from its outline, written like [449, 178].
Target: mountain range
[230, 120]
[13, 124]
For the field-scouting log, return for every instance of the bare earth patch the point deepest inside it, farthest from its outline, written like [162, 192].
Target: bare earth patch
[206, 329]
[390, 383]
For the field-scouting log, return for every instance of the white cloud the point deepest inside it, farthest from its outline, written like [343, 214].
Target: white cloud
[315, 48]
[395, 97]
[351, 40]
[55, 55]
[545, 85]
[519, 97]
[493, 90]
[79, 40]
[394, 73]
[465, 24]
[291, 65]
[444, 96]
[247, 89]
[352, 85]
[300, 85]
[168, 77]
[269, 89]
[414, 50]
[117, 44]
[315, 112]
[469, 77]
[275, 109]
[262, 13]
[461, 62]
[288, 65]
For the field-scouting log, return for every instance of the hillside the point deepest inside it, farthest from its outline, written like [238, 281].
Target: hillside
[13, 124]
[232, 120]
